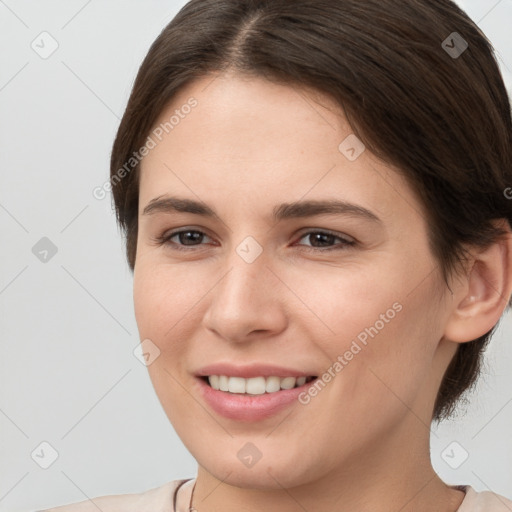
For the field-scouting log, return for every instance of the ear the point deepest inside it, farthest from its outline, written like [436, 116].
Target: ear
[481, 295]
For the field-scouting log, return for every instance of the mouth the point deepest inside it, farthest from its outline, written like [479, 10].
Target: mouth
[255, 385]
[252, 399]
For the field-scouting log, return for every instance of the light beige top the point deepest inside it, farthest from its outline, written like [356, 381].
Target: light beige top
[175, 496]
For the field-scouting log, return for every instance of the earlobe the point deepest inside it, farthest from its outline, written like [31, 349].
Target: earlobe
[481, 296]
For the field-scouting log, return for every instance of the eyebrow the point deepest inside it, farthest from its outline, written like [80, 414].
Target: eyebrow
[299, 209]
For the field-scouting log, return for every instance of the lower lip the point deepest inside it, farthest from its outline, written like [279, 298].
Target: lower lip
[245, 407]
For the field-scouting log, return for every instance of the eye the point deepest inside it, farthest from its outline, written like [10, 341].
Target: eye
[326, 238]
[322, 241]
[185, 237]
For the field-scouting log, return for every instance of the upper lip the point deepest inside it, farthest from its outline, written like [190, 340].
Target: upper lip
[251, 370]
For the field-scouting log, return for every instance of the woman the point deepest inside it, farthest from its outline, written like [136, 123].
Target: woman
[313, 194]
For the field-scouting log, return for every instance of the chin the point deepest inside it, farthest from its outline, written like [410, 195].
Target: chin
[270, 473]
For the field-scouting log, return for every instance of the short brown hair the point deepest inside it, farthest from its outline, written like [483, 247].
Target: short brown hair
[442, 118]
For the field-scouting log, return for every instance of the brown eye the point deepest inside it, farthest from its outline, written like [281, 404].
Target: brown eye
[184, 238]
[188, 237]
[325, 239]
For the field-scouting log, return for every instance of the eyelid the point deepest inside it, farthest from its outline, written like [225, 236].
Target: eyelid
[343, 236]
[346, 240]
[164, 238]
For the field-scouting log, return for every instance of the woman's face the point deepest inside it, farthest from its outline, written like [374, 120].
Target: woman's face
[353, 293]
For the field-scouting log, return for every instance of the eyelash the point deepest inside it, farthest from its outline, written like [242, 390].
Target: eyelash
[165, 240]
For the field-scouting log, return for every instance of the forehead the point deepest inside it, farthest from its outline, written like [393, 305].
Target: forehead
[249, 141]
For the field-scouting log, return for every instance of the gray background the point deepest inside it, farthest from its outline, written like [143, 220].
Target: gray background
[68, 373]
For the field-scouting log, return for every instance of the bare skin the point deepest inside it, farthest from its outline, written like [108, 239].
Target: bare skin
[363, 442]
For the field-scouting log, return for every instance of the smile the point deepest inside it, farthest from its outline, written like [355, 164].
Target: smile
[255, 385]
[247, 400]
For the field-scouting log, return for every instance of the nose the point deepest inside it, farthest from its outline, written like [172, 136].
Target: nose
[247, 303]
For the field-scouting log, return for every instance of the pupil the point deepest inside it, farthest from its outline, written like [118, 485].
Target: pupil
[195, 235]
[319, 237]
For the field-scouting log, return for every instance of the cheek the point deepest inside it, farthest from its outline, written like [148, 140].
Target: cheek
[351, 303]
[162, 306]
[394, 367]
[383, 332]
[164, 296]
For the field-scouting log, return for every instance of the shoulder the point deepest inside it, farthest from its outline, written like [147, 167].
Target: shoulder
[157, 499]
[485, 501]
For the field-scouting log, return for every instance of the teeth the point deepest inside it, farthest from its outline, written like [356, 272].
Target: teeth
[255, 385]
[273, 384]
[223, 383]
[214, 381]
[236, 385]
